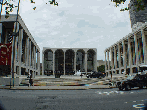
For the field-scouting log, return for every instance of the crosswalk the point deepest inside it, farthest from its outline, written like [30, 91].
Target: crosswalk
[137, 104]
[111, 92]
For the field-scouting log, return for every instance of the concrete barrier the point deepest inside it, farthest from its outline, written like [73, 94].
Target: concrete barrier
[6, 81]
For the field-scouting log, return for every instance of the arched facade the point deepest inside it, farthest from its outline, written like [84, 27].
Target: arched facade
[59, 60]
[80, 60]
[90, 60]
[48, 61]
[67, 61]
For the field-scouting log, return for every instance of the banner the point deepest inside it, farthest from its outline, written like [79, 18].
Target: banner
[5, 54]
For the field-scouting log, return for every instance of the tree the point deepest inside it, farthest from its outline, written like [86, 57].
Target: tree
[10, 7]
[139, 4]
[101, 68]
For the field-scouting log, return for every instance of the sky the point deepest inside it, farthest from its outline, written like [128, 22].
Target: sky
[75, 23]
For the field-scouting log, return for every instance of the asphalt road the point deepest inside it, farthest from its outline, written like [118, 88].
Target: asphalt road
[91, 99]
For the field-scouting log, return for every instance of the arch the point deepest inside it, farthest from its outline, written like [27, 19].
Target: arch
[69, 61]
[48, 62]
[80, 60]
[117, 71]
[59, 61]
[122, 71]
[128, 71]
[91, 54]
[135, 70]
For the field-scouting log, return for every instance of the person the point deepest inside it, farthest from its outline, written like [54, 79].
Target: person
[111, 77]
[29, 75]
[81, 75]
[30, 81]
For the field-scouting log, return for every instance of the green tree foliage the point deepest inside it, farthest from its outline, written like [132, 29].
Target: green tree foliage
[101, 68]
[9, 7]
[139, 4]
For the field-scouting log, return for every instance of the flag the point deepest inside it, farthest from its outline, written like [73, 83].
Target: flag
[5, 54]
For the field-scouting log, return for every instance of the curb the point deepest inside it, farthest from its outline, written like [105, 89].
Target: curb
[56, 88]
[47, 89]
[113, 87]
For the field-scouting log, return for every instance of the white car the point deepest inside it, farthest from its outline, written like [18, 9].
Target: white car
[78, 73]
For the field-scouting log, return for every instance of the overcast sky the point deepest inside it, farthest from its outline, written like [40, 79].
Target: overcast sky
[76, 24]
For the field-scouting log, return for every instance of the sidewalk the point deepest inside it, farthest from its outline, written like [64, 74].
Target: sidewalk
[100, 84]
[56, 87]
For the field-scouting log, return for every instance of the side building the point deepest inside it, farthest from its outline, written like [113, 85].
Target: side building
[68, 60]
[26, 54]
[128, 53]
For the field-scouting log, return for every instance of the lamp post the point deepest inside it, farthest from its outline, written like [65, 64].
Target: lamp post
[13, 46]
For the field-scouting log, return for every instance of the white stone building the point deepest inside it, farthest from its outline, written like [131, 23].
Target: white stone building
[27, 52]
[67, 60]
[128, 53]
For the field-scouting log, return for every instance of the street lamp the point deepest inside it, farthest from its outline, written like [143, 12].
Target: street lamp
[13, 46]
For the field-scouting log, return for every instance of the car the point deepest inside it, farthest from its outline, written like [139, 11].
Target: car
[133, 80]
[50, 72]
[96, 75]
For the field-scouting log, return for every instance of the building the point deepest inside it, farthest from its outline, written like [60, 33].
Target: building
[100, 62]
[27, 52]
[130, 52]
[68, 60]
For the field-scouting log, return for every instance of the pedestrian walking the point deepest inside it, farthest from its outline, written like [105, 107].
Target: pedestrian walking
[111, 75]
[29, 75]
[81, 75]
[30, 80]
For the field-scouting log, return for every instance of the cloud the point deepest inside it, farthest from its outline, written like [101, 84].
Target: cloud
[120, 24]
[76, 23]
[74, 41]
[80, 33]
[62, 13]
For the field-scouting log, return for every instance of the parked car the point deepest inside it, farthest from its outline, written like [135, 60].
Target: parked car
[96, 75]
[134, 80]
[50, 72]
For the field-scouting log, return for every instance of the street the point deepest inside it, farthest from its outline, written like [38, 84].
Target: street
[91, 99]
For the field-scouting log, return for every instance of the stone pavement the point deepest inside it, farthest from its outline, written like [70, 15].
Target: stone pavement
[90, 83]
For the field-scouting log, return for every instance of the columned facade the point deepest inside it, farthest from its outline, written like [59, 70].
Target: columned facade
[131, 52]
[67, 61]
[25, 46]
